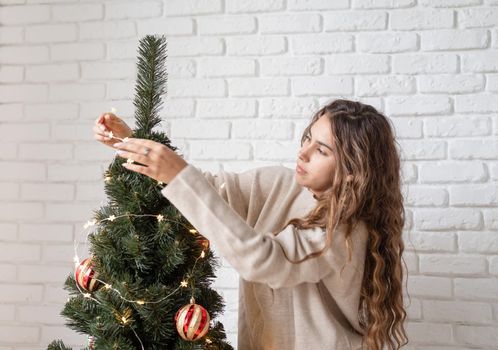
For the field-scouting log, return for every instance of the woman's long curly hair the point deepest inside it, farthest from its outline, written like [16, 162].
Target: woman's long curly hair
[365, 147]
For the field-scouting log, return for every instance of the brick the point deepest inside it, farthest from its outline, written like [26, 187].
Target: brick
[43, 273]
[391, 42]
[304, 86]
[47, 73]
[168, 26]
[24, 132]
[79, 51]
[22, 171]
[220, 150]
[420, 195]
[71, 92]
[258, 87]
[11, 35]
[8, 231]
[477, 335]
[430, 286]
[225, 67]
[11, 111]
[72, 132]
[196, 88]
[8, 273]
[297, 5]
[247, 46]
[451, 39]
[9, 191]
[458, 126]
[378, 4]
[421, 19]
[478, 242]
[53, 33]
[450, 83]
[448, 219]
[476, 288]
[273, 150]
[184, 68]
[422, 63]
[108, 70]
[474, 149]
[19, 252]
[40, 314]
[456, 311]
[354, 20]
[478, 17]
[429, 332]
[290, 23]
[480, 61]
[11, 74]
[125, 109]
[226, 25]
[455, 172]
[196, 129]
[19, 334]
[321, 43]
[357, 64]
[69, 212]
[23, 93]
[7, 312]
[10, 293]
[51, 111]
[262, 129]
[474, 195]
[90, 192]
[290, 66]
[41, 151]
[45, 232]
[452, 264]
[49, 333]
[131, 9]
[75, 172]
[493, 265]
[491, 218]
[21, 211]
[407, 128]
[106, 30]
[223, 108]
[9, 151]
[418, 105]
[422, 150]
[195, 46]
[47, 192]
[287, 107]
[77, 13]
[24, 54]
[476, 103]
[448, 3]
[26, 14]
[430, 241]
[383, 85]
[242, 6]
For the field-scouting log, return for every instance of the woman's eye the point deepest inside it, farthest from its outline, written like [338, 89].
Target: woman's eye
[320, 151]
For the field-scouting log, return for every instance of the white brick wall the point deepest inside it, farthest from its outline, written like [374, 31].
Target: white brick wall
[249, 74]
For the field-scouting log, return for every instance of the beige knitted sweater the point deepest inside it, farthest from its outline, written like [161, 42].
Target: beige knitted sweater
[311, 305]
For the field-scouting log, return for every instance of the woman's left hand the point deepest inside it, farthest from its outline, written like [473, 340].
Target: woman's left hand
[159, 161]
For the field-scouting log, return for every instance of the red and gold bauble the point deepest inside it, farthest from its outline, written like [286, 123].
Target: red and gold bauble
[203, 242]
[85, 276]
[192, 321]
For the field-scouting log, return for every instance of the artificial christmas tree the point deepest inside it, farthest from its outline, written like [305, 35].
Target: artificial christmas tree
[146, 283]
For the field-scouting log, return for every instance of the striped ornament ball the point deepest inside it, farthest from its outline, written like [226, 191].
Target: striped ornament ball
[86, 277]
[192, 322]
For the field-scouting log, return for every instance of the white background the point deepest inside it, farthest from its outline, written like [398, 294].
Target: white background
[245, 78]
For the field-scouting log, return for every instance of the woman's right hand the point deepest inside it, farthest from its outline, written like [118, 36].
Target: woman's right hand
[109, 122]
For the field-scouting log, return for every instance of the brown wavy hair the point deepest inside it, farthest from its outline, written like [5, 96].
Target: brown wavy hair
[365, 147]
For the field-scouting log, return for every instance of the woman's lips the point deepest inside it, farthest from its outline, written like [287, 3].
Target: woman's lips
[300, 170]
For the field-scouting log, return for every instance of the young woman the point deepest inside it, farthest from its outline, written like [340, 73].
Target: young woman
[318, 249]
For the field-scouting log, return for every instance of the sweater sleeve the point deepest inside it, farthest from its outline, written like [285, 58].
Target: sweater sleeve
[257, 257]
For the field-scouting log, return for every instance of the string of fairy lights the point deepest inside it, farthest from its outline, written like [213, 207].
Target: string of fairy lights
[125, 318]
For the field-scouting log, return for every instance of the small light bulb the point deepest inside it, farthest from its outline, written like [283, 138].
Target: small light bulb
[183, 283]
[203, 254]
[112, 217]
[193, 230]
[160, 217]
[140, 302]
[87, 295]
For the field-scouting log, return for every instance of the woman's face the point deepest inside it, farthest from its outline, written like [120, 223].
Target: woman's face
[316, 157]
